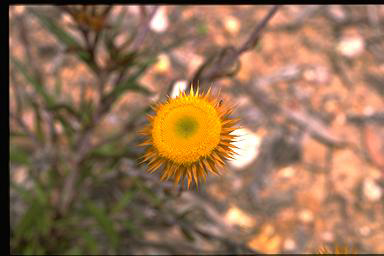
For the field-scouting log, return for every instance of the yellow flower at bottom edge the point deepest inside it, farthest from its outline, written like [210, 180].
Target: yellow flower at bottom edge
[188, 136]
[338, 250]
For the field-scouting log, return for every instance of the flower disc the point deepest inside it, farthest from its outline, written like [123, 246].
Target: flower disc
[186, 129]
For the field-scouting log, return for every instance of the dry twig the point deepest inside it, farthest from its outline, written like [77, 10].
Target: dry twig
[143, 28]
[219, 66]
[306, 122]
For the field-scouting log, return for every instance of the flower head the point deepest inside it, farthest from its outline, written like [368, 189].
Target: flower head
[337, 250]
[188, 136]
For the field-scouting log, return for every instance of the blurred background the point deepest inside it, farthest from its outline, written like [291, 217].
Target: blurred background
[309, 85]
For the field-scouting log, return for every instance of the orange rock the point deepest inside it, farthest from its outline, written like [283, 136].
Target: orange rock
[236, 216]
[347, 171]
[314, 152]
[267, 241]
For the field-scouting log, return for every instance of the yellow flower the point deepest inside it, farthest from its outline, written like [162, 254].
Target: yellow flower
[337, 250]
[189, 136]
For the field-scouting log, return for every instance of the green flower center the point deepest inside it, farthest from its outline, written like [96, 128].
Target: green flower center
[186, 127]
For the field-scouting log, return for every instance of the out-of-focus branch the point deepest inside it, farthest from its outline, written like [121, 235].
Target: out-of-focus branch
[255, 35]
[307, 12]
[18, 94]
[24, 127]
[135, 172]
[374, 17]
[303, 120]
[130, 125]
[334, 60]
[314, 127]
[218, 66]
[103, 16]
[377, 117]
[24, 38]
[143, 28]
[83, 145]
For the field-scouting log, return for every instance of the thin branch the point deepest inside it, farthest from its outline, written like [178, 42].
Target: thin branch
[374, 17]
[24, 127]
[18, 94]
[103, 16]
[307, 12]
[129, 126]
[83, 146]
[143, 30]
[255, 36]
[303, 120]
[25, 40]
[218, 66]
[377, 117]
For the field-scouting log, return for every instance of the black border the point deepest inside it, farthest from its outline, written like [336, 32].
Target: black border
[5, 131]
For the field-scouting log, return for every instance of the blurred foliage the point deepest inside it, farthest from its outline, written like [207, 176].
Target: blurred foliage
[47, 223]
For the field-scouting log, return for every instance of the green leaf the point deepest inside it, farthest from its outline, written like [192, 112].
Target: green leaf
[25, 194]
[123, 202]
[143, 67]
[19, 155]
[87, 108]
[68, 129]
[64, 106]
[73, 251]
[18, 134]
[33, 249]
[37, 196]
[33, 81]
[55, 29]
[105, 151]
[38, 122]
[112, 149]
[131, 83]
[110, 35]
[129, 226]
[105, 223]
[152, 196]
[174, 44]
[187, 233]
[131, 86]
[29, 250]
[58, 84]
[27, 226]
[63, 37]
[91, 246]
[119, 21]
[41, 194]
[202, 29]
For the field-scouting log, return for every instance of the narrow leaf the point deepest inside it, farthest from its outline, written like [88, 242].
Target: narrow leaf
[39, 88]
[105, 223]
[63, 37]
